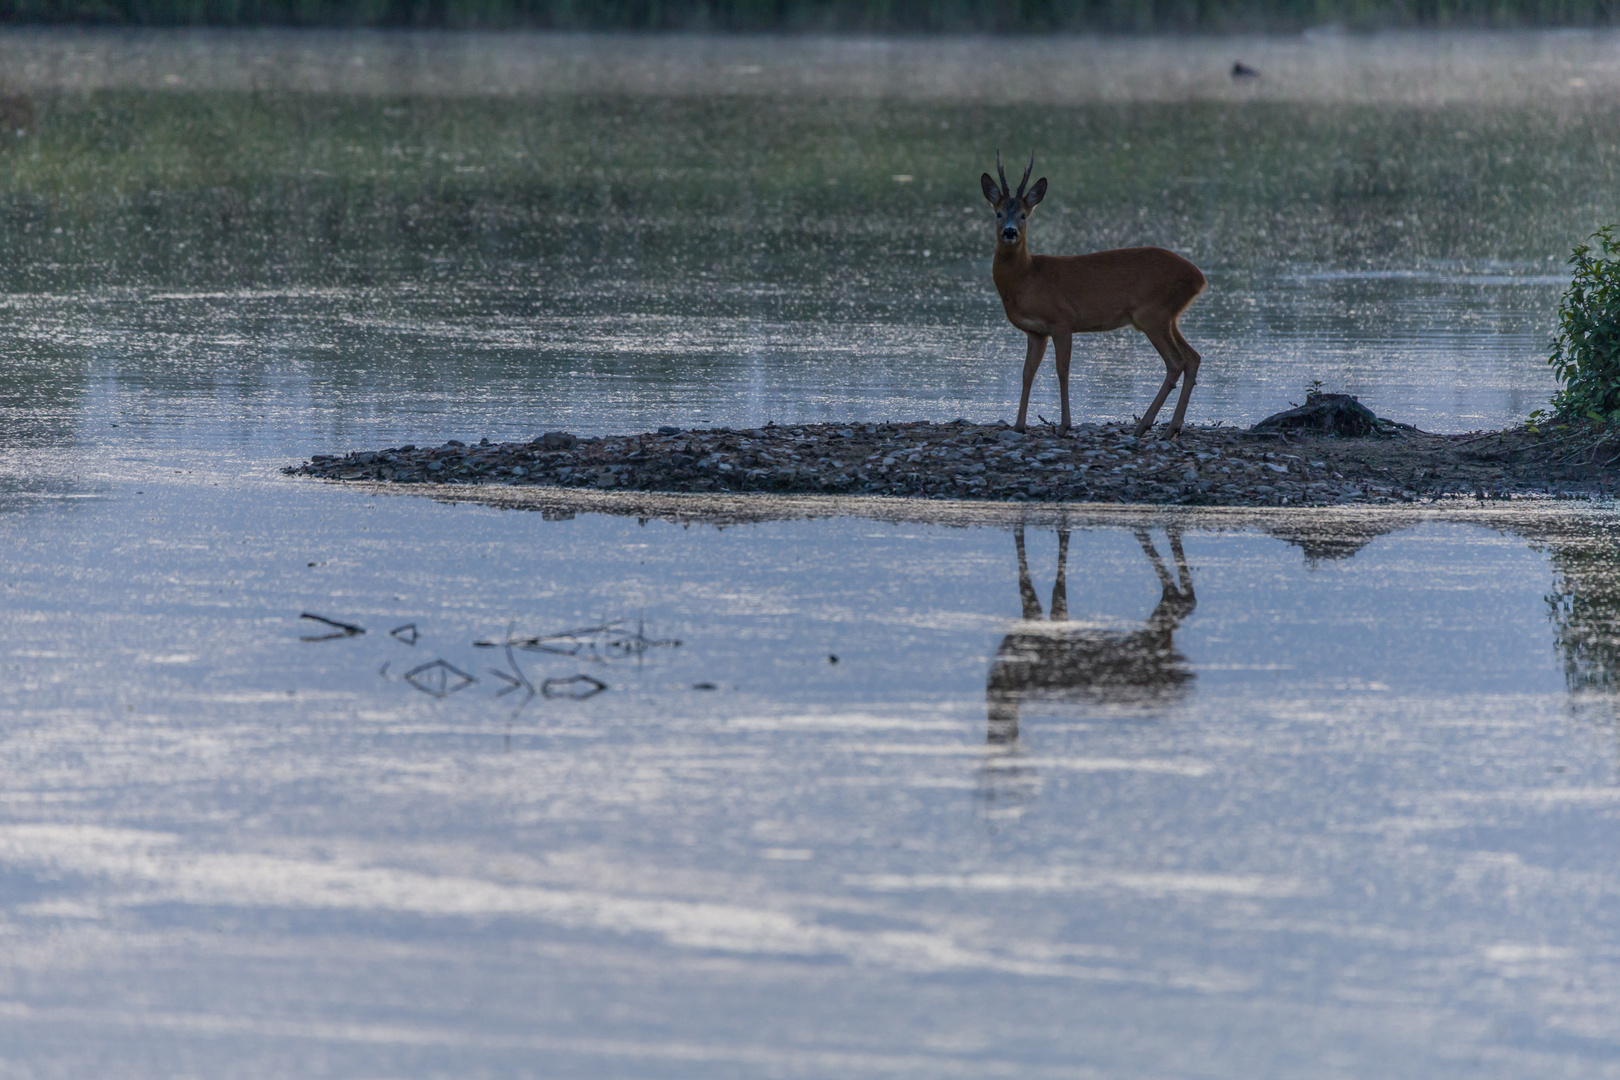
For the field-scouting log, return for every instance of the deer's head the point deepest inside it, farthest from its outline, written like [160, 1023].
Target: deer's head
[1012, 207]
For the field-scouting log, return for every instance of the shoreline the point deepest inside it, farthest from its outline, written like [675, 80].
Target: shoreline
[1094, 463]
[1332, 524]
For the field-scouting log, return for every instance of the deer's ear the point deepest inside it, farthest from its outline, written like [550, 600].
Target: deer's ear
[1036, 194]
[991, 190]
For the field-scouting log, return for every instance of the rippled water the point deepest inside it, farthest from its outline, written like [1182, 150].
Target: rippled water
[1241, 796]
[1271, 796]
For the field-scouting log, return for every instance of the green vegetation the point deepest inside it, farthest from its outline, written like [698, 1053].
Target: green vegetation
[124, 186]
[891, 15]
[1584, 604]
[1586, 350]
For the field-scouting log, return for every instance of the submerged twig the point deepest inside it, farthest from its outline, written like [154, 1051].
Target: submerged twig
[517, 679]
[439, 678]
[577, 687]
[603, 641]
[342, 629]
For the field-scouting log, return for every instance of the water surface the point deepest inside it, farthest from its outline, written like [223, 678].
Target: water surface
[1244, 796]
[1239, 797]
[363, 225]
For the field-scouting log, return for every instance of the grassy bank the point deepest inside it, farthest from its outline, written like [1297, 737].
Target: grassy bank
[1130, 16]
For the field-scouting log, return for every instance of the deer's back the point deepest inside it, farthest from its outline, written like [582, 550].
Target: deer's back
[1136, 273]
[1107, 289]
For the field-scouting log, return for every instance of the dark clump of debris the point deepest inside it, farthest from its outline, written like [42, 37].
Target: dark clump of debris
[1330, 414]
[1325, 452]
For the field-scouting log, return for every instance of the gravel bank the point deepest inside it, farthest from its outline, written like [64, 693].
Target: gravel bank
[1095, 463]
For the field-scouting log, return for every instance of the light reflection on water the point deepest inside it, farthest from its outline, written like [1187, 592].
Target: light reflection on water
[1340, 785]
[267, 377]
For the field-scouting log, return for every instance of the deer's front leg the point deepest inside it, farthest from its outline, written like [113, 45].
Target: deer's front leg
[1032, 364]
[1062, 346]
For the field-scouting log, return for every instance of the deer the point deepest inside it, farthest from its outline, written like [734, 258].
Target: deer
[1057, 296]
[1065, 662]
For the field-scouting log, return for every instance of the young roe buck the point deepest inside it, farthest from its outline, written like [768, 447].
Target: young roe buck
[1058, 296]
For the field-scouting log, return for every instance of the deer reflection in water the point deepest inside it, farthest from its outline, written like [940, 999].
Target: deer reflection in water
[1062, 661]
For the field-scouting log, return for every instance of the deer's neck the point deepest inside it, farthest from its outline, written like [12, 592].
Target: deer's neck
[1011, 266]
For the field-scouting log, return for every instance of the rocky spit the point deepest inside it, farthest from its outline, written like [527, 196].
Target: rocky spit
[961, 460]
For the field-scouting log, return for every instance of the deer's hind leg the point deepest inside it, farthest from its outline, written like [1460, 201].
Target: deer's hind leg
[1159, 334]
[1190, 361]
[1060, 587]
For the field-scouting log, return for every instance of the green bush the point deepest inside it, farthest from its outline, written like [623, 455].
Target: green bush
[1586, 349]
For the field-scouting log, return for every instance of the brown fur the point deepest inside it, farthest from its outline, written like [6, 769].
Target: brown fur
[1057, 296]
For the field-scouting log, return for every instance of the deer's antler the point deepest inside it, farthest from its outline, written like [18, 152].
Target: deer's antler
[1025, 181]
[1006, 189]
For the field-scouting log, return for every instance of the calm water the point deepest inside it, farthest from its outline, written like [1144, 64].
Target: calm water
[1270, 796]
[1267, 802]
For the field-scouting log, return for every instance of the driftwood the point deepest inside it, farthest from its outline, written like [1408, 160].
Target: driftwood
[1332, 414]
